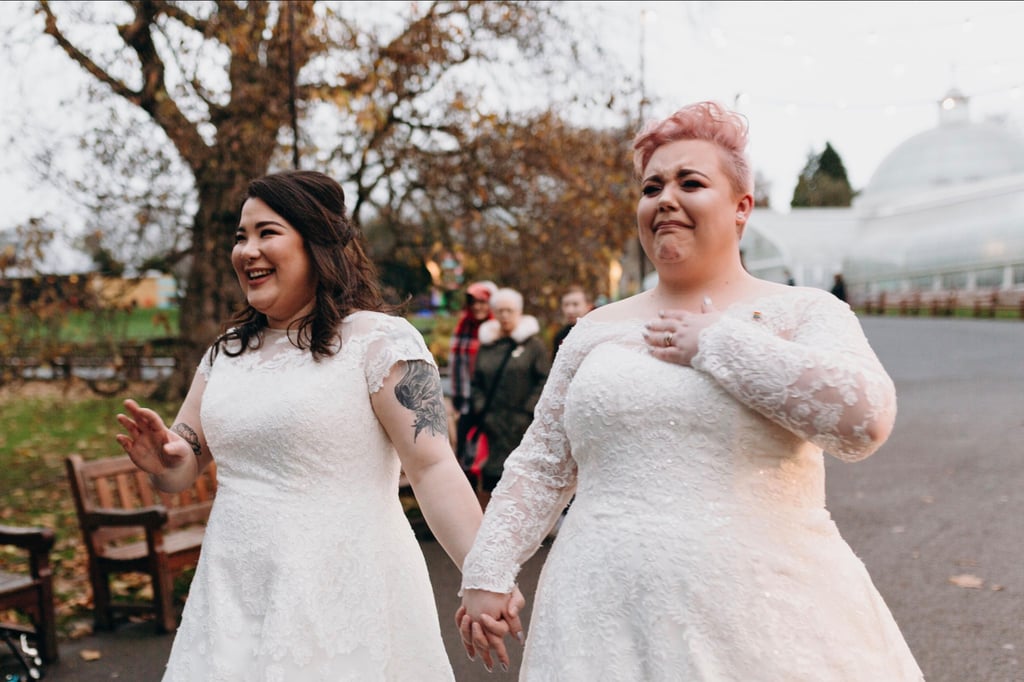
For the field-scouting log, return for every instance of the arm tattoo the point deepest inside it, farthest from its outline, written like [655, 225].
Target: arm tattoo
[420, 391]
[190, 436]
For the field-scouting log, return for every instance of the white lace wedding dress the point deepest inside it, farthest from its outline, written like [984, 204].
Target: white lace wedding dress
[309, 569]
[698, 547]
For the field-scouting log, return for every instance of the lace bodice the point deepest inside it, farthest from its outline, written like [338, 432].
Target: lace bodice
[773, 390]
[276, 382]
[698, 546]
[309, 569]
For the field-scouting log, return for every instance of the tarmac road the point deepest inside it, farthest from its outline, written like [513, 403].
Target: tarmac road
[942, 499]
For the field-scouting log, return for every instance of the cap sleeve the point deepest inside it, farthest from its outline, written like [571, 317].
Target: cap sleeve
[389, 340]
[205, 366]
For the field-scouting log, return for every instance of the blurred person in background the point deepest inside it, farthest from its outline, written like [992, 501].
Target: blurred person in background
[511, 368]
[839, 287]
[462, 359]
[576, 303]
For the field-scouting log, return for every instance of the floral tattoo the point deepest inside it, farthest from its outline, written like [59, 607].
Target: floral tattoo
[190, 436]
[420, 391]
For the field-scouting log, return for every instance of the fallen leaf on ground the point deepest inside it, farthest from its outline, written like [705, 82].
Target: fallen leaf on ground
[79, 630]
[90, 655]
[967, 580]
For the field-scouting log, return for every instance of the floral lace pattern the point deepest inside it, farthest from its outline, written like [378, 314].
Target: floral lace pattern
[698, 546]
[309, 569]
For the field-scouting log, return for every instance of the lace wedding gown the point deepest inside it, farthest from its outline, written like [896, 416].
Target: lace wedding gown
[309, 569]
[698, 546]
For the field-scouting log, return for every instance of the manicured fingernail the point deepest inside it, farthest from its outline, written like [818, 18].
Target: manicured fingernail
[504, 666]
[707, 300]
[489, 668]
[520, 637]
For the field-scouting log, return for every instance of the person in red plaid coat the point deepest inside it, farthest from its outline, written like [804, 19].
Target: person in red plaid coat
[462, 357]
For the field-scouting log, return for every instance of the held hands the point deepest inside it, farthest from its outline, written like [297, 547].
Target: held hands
[484, 619]
[151, 445]
[673, 336]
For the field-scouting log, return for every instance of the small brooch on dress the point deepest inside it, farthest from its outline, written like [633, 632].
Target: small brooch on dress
[756, 316]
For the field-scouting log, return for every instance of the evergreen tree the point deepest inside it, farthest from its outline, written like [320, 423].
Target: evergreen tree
[831, 165]
[823, 181]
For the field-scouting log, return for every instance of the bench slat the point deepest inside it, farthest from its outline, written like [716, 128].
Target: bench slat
[145, 488]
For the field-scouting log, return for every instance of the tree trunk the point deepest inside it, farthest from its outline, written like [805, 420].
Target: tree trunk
[212, 293]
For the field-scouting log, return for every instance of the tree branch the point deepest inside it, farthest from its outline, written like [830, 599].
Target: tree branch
[83, 59]
[173, 11]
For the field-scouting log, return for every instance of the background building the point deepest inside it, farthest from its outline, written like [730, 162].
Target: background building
[944, 210]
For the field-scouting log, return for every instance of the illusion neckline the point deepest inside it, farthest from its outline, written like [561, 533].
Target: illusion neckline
[753, 302]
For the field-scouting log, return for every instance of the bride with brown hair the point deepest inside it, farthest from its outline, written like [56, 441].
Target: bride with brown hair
[312, 401]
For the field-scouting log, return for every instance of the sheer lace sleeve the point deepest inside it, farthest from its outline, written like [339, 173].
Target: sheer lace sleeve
[389, 340]
[538, 480]
[807, 367]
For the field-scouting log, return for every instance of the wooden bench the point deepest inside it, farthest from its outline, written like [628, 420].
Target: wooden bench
[30, 591]
[130, 526]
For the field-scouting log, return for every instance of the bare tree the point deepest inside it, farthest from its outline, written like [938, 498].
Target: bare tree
[240, 88]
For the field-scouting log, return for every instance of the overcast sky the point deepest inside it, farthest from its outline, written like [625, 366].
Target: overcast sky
[862, 75]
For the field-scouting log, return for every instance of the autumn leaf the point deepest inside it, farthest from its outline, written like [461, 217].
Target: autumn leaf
[967, 580]
[79, 630]
[90, 655]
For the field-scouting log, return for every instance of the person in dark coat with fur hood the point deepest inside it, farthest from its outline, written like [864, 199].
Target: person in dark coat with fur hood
[514, 361]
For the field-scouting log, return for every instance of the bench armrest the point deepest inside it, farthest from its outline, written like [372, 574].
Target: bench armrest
[31, 538]
[151, 517]
[186, 516]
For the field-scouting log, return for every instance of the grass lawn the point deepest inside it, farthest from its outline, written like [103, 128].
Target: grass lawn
[40, 424]
[79, 326]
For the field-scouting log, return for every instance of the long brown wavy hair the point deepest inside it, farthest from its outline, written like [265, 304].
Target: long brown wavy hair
[314, 204]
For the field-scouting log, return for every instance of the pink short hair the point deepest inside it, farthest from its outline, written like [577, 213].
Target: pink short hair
[709, 121]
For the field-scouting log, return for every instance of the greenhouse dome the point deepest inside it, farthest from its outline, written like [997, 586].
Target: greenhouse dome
[944, 210]
[956, 153]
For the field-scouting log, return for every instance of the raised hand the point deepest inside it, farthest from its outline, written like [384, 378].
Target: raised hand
[152, 446]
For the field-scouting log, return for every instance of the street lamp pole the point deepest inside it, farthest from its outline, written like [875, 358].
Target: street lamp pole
[643, 84]
[641, 258]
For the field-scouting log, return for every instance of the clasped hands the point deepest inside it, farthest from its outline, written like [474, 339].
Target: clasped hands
[484, 619]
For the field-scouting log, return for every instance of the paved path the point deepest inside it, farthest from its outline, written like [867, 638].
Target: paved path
[944, 497]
